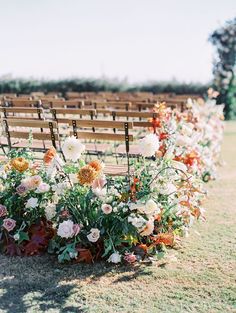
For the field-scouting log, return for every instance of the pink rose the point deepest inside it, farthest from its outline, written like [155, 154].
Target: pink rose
[106, 208]
[76, 229]
[3, 210]
[9, 224]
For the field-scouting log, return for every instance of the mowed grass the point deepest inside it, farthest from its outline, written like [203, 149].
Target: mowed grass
[200, 277]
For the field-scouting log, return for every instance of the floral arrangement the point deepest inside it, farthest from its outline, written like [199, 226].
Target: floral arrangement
[74, 211]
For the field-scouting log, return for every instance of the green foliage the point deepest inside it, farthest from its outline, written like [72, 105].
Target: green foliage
[224, 39]
[23, 86]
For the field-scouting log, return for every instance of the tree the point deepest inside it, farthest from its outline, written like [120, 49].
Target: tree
[224, 39]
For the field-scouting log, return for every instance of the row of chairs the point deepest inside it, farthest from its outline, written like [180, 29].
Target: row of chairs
[90, 104]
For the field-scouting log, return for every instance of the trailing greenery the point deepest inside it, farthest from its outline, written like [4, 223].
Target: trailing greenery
[26, 86]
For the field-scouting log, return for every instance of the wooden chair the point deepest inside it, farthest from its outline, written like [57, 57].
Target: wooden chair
[22, 113]
[23, 103]
[87, 129]
[44, 133]
[141, 122]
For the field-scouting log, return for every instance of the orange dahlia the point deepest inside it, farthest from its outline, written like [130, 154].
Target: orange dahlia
[86, 175]
[49, 155]
[20, 164]
[96, 165]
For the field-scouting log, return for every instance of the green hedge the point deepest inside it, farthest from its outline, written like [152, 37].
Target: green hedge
[22, 86]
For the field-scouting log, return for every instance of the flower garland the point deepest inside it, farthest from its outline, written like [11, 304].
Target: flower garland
[73, 210]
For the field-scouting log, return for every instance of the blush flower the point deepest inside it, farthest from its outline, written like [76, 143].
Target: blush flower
[43, 187]
[76, 229]
[9, 224]
[3, 210]
[106, 208]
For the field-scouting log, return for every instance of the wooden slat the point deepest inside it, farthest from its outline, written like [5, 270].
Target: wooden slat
[25, 103]
[30, 123]
[21, 110]
[38, 136]
[142, 124]
[102, 136]
[101, 124]
[73, 111]
[137, 114]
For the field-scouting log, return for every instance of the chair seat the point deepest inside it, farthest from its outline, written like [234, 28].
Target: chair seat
[116, 170]
[37, 144]
[98, 148]
[133, 150]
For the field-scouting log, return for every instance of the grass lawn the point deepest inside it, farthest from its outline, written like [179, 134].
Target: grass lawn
[200, 277]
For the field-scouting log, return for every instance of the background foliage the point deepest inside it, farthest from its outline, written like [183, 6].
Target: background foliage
[25, 86]
[224, 39]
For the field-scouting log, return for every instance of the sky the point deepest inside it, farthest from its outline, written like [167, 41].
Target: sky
[136, 40]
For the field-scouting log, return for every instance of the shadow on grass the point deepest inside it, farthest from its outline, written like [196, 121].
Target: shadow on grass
[40, 284]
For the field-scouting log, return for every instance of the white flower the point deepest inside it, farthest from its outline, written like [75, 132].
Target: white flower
[65, 229]
[72, 148]
[43, 187]
[50, 211]
[169, 188]
[137, 222]
[16, 236]
[115, 258]
[133, 206]
[151, 207]
[179, 165]
[32, 203]
[106, 208]
[94, 235]
[149, 145]
[60, 188]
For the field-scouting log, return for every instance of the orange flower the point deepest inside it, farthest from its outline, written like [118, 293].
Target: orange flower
[166, 238]
[96, 165]
[20, 164]
[49, 155]
[86, 175]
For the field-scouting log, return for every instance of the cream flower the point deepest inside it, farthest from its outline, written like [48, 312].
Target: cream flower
[115, 258]
[66, 229]
[72, 148]
[151, 207]
[50, 211]
[94, 235]
[149, 145]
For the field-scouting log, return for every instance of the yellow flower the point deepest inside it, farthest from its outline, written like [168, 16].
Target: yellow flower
[86, 175]
[20, 164]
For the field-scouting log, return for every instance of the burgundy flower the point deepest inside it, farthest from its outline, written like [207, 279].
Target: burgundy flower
[3, 210]
[9, 224]
[130, 257]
